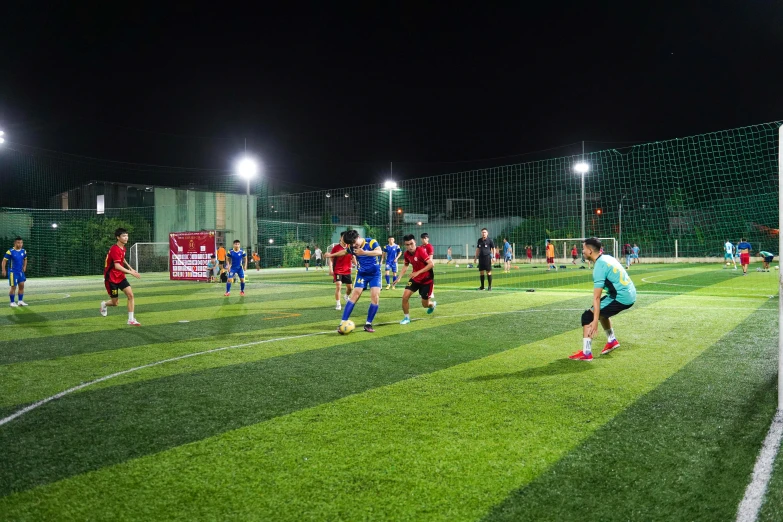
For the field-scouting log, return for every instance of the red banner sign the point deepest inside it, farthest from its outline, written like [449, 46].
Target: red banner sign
[189, 253]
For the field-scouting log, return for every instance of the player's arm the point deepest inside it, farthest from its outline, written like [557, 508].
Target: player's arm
[375, 252]
[475, 258]
[427, 268]
[398, 256]
[24, 265]
[341, 253]
[5, 261]
[596, 311]
[118, 266]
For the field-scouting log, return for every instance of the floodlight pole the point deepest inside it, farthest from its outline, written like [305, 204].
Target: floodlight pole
[391, 176]
[583, 193]
[780, 273]
[249, 230]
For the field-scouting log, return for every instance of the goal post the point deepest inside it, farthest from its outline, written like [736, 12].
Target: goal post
[563, 248]
[149, 257]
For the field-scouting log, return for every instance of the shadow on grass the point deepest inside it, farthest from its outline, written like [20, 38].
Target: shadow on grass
[559, 367]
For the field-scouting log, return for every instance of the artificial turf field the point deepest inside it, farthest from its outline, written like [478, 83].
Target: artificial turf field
[472, 413]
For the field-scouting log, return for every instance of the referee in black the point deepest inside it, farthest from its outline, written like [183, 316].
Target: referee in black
[485, 252]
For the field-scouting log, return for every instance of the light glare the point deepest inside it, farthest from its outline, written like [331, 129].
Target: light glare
[582, 167]
[247, 168]
[391, 185]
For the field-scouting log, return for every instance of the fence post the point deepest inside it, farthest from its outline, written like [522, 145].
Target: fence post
[676, 251]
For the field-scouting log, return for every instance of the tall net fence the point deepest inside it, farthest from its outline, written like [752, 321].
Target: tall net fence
[678, 198]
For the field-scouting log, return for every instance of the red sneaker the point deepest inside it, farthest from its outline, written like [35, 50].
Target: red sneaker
[241, 294]
[610, 346]
[581, 356]
[226, 294]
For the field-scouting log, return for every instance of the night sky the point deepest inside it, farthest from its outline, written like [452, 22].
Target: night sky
[327, 95]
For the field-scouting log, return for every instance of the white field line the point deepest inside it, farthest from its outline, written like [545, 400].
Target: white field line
[65, 296]
[750, 506]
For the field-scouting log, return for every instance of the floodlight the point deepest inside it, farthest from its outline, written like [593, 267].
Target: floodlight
[391, 185]
[247, 168]
[582, 167]
[54, 225]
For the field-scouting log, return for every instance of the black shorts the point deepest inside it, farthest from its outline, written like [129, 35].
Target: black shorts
[424, 289]
[344, 279]
[114, 289]
[611, 309]
[485, 263]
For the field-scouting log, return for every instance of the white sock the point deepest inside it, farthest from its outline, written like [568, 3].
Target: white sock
[130, 316]
[407, 316]
[338, 302]
[610, 335]
[587, 345]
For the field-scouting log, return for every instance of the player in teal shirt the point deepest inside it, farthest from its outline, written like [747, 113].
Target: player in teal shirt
[15, 260]
[609, 275]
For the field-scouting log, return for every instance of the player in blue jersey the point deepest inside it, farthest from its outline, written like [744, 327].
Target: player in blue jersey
[368, 253]
[237, 259]
[609, 275]
[507, 255]
[15, 260]
[391, 253]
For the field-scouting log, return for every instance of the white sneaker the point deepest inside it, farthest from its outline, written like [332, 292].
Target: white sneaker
[22, 303]
[14, 305]
[104, 310]
[338, 307]
[133, 322]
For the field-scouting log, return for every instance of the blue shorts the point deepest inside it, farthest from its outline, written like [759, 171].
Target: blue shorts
[236, 272]
[367, 281]
[508, 257]
[448, 257]
[16, 277]
[391, 267]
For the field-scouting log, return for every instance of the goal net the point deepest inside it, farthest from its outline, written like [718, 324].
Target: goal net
[149, 257]
[565, 247]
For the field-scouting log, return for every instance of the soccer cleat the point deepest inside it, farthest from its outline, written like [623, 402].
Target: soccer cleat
[480, 288]
[368, 328]
[388, 287]
[14, 305]
[227, 294]
[610, 346]
[133, 322]
[406, 321]
[104, 310]
[489, 289]
[241, 294]
[431, 309]
[581, 356]
[22, 303]
[338, 307]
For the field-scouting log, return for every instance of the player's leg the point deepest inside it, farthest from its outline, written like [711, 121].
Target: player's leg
[406, 305]
[375, 296]
[426, 298]
[128, 291]
[481, 275]
[338, 285]
[241, 273]
[610, 308]
[12, 291]
[586, 353]
[20, 293]
[489, 279]
[388, 284]
[355, 295]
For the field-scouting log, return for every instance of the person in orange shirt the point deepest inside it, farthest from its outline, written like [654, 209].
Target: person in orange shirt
[257, 260]
[306, 258]
[221, 256]
[550, 256]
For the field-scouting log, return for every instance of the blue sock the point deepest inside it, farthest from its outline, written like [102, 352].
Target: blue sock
[347, 310]
[21, 297]
[371, 313]
[387, 279]
[241, 286]
[12, 297]
[228, 286]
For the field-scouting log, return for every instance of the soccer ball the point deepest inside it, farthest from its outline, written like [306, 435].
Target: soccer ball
[456, 266]
[728, 264]
[346, 327]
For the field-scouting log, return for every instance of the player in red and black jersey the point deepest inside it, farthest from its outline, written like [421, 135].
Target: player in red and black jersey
[421, 278]
[427, 246]
[340, 270]
[114, 276]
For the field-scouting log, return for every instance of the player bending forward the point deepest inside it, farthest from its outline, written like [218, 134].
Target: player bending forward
[368, 253]
[608, 274]
[421, 277]
[114, 276]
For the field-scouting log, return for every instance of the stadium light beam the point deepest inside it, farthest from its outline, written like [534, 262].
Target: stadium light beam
[391, 186]
[582, 168]
[2, 140]
[247, 168]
